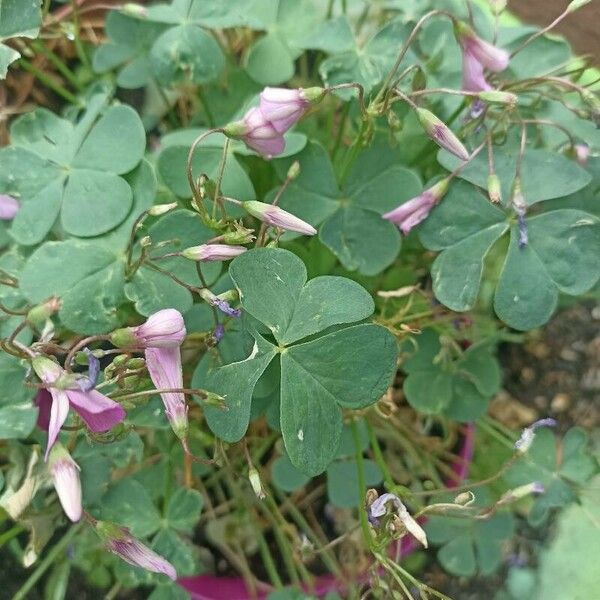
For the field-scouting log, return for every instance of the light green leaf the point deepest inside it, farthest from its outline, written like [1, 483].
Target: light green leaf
[342, 481]
[285, 475]
[183, 509]
[269, 60]
[127, 502]
[186, 53]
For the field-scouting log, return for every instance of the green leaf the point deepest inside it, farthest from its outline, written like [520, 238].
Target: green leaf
[558, 465]
[343, 490]
[470, 546]
[285, 475]
[235, 382]
[127, 502]
[186, 53]
[333, 36]
[183, 509]
[20, 18]
[269, 60]
[7, 57]
[77, 170]
[544, 174]
[440, 382]
[178, 551]
[369, 64]
[560, 256]
[172, 166]
[276, 293]
[88, 275]
[320, 376]
[352, 227]
[127, 48]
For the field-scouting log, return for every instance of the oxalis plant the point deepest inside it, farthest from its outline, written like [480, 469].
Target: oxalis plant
[257, 259]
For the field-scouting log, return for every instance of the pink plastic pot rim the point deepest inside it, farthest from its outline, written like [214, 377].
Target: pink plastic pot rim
[209, 587]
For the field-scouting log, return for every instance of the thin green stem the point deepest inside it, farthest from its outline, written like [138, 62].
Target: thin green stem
[362, 486]
[55, 60]
[49, 82]
[10, 534]
[267, 557]
[47, 562]
[83, 57]
[352, 153]
[340, 131]
[379, 459]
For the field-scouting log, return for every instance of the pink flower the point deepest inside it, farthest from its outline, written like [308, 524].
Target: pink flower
[582, 153]
[283, 107]
[164, 367]
[163, 329]
[477, 56]
[258, 133]
[411, 213]
[9, 207]
[99, 412]
[65, 475]
[119, 541]
[212, 252]
[277, 217]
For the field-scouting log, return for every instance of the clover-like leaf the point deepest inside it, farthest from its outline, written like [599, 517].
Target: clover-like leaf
[17, 413]
[344, 367]
[560, 465]
[560, 256]
[270, 59]
[350, 219]
[365, 64]
[78, 170]
[18, 18]
[342, 481]
[127, 48]
[184, 51]
[470, 546]
[438, 381]
[544, 174]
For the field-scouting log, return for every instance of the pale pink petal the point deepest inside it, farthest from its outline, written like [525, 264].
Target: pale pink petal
[58, 414]
[473, 77]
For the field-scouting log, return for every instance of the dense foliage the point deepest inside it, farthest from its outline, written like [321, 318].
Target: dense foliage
[248, 330]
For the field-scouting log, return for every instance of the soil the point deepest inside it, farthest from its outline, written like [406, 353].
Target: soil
[580, 28]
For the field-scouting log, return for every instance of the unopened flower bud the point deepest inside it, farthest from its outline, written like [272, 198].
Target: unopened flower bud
[582, 153]
[522, 491]
[294, 170]
[146, 241]
[277, 217]
[256, 483]
[134, 10]
[241, 235]
[498, 97]
[576, 5]
[212, 252]
[441, 134]
[163, 329]
[497, 6]
[39, 314]
[371, 496]
[136, 363]
[9, 207]
[65, 475]
[465, 498]
[161, 209]
[494, 188]
[119, 541]
[419, 81]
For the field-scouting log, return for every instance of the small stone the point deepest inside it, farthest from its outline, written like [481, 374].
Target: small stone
[541, 401]
[527, 375]
[560, 403]
[569, 355]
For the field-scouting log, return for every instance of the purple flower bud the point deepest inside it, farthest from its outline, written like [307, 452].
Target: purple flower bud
[528, 434]
[9, 207]
[277, 217]
[411, 213]
[283, 107]
[478, 54]
[582, 153]
[164, 367]
[99, 412]
[65, 475]
[163, 329]
[441, 134]
[213, 252]
[119, 541]
[522, 491]
[258, 133]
